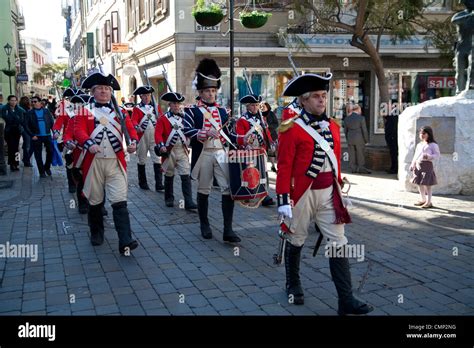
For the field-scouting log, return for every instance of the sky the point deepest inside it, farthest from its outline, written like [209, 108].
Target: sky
[43, 20]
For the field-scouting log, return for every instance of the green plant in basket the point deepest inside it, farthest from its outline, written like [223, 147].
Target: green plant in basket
[207, 15]
[254, 19]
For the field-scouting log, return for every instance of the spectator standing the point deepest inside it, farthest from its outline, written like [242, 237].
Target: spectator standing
[13, 115]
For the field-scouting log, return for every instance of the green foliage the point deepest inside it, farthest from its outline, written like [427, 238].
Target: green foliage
[201, 7]
[255, 14]
[9, 73]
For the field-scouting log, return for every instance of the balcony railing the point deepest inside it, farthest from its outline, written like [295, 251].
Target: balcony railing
[22, 50]
[20, 22]
[66, 43]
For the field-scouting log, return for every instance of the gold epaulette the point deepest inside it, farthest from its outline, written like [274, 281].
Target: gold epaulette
[287, 124]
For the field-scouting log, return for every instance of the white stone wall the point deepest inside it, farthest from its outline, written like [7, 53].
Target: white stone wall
[455, 172]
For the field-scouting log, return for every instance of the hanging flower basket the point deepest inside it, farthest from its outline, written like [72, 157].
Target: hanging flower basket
[208, 19]
[254, 19]
[9, 73]
[207, 15]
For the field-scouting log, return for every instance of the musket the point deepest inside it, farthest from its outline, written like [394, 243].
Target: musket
[265, 136]
[284, 238]
[116, 107]
[155, 105]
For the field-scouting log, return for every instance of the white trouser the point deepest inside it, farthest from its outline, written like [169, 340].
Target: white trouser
[178, 161]
[316, 206]
[147, 144]
[209, 167]
[105, 174]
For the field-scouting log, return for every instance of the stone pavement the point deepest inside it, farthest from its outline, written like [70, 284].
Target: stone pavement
[415, 262]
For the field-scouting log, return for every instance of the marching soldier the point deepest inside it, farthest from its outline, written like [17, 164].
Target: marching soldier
[310, 151]
[144, 120]
[76, 154]
[251, 123]
[206, 124]
[172, 145]
[98, 129]
[64, 113]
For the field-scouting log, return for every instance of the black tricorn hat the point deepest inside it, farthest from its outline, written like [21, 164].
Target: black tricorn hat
[129, 105]
[250, 99]
[143, 90]
[98, 78]
[70, 92]
[173, 97]
[81, 99]
[307, 83]
[207, 75]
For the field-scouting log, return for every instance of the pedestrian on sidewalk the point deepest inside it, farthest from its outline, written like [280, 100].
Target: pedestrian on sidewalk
[424, 176]
[13, 116]
[357, 136]
[27, 148]
[38, 125]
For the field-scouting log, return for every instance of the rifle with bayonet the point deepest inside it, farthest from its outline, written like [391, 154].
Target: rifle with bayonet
[117, 110]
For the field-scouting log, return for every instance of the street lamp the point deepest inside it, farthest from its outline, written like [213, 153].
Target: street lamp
[8, 52]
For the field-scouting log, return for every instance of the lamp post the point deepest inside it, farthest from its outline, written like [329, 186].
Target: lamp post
[8, 52]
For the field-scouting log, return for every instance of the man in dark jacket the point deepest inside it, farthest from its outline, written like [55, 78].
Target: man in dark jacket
[13, 115]
[38, 125]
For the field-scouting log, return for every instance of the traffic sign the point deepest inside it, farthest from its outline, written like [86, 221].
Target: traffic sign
[22, 78]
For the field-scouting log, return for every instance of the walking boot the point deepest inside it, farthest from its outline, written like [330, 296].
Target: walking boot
[169, 197]
[70, 181]
[142, 177]
[203, 204]
[122, 226]
[158, 177]
[187, 193]
[292, 267]
[341, 276]
[228, 213]
[96, 224]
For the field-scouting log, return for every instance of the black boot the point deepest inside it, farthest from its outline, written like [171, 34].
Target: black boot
[292, 267]
[169, 197]
[187, 192]
[341, 276]
[142, 177]
[203, 204]
[70, 181]
[267, 201]
[158, 177]
[228, 213]
[83, 203]
[96, 224]
[122, 225]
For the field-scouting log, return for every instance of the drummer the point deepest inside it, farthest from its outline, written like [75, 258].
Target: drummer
[253, 125]
[205, 123]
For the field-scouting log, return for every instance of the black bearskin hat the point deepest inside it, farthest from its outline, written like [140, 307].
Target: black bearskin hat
[207, 75]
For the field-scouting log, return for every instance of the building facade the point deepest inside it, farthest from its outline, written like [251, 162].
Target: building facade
[39, 54]
[12, 47]
[165, 41]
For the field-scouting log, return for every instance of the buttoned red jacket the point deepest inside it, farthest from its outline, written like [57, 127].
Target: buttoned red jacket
[137, 115]
[84, 125]
[242, 126]
[163, 130]
[295, 155]
[62, 118]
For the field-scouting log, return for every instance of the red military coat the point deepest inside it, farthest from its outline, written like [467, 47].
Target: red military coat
[137, 115]
[69, 136]
[242, 126]
[84, 125]
[295, 156]
[62, 118]
[163, 130]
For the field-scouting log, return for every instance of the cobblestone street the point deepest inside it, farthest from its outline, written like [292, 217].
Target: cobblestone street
[415, 262]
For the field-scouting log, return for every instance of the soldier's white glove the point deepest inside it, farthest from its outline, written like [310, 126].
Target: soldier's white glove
[285, 210]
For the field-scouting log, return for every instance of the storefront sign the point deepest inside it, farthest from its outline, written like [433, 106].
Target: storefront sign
[203, 28]
[440, 82]
[120, 48]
